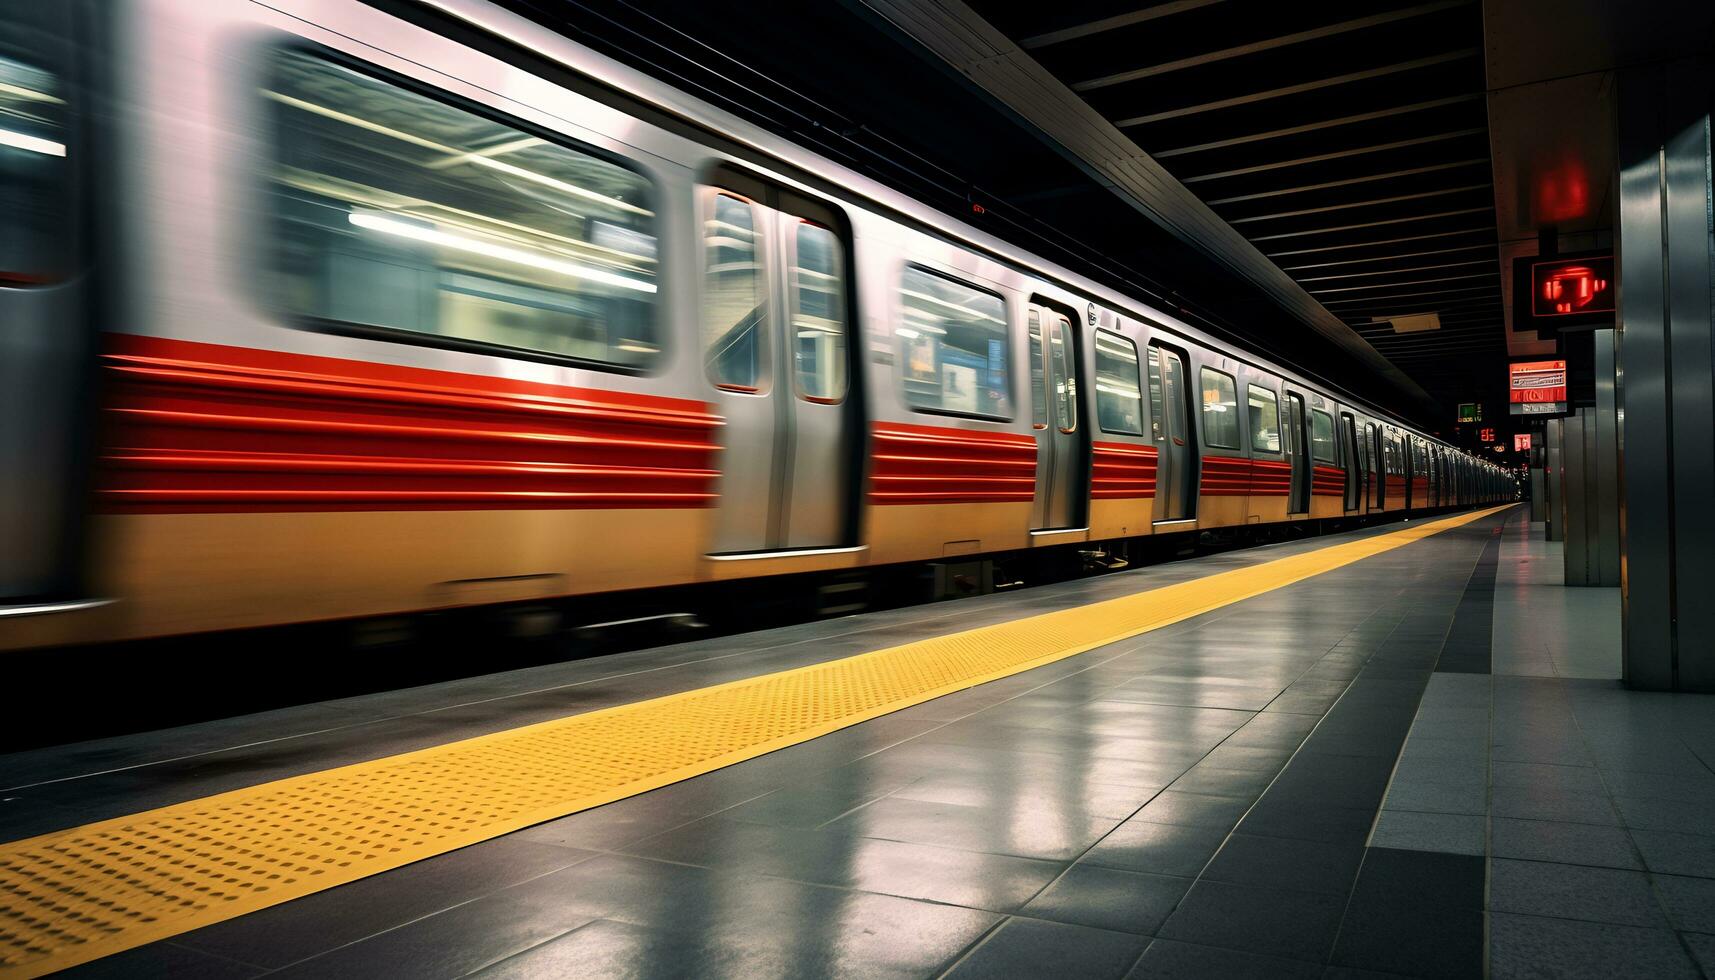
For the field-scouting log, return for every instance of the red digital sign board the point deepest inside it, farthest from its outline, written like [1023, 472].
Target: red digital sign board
[1569, 287]
[1521, 441]
[1537, 387]
[1554, 292]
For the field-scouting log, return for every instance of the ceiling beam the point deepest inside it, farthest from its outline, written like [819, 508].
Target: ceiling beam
[1252, 98]
[1113, 23]
[969, 45]
[1485, 229]
[1487, 209]
[1332, 155]
[1350, 181]
[1394, 199]
[1267, 44]
[1311, 127]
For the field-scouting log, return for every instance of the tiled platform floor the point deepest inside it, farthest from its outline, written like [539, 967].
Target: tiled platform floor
[1592, 807]
[1198, 801]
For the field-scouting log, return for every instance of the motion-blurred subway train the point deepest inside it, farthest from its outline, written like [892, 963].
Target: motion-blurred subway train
[323, 309]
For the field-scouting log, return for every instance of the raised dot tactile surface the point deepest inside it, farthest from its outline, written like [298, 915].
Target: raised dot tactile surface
[79, 894]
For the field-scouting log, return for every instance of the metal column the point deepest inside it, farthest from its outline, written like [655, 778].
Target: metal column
[1666, 378]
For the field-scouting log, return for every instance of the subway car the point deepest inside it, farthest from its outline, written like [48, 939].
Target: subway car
[327, 310]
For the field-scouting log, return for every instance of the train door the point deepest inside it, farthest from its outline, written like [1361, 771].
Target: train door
[1378, 467]
[1297, 443]
[45, 335]
[1170, 425]
[1061, 460]
[1354, 461]
[774, 310]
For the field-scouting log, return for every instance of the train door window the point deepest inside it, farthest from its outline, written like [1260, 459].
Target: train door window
[406, 217]
[735, 340]
[1038, 375]
[1119, 395]
[952, 346]
[1354, 459]
[819, 314]
[1321, 436]
[1220, 409]
[1265, 419]
[35, 157]
[1061, 357]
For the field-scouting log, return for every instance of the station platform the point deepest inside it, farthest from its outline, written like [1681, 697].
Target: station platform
[1395, 751]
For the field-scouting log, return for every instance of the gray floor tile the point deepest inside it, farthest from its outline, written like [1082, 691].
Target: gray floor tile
[1563, 843]
[1525, 946]
[1551, 778]
[316, 923]
[742, 925]
[993, 830]
[1303, 821]
[1399, 940]
[1193, 810]
[1274, 922]
[1661, 786]
[1428, 797]
[1703, 950]
[1207, 780]
[1454, 833]
[1690, 902]
[1677, 854]
[163, 960]
[1682, 816]
[1159, 848]
[1022, 949]
[959, 877]
[1064, 791]
[1108, 898]
[1573, 892]
[1270, 862]
[1169, 960]
[1543, 804]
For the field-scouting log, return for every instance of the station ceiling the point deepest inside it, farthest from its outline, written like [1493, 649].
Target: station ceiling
[1346, 140]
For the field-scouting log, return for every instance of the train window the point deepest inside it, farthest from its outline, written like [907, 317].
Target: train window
[1220, 409]
[1119, 394]
[734, 341]
[1038, 375]
[1321, 436]
[819, 314]
[400, 215]
[35, 158]
[1265, 419]
[952, 346]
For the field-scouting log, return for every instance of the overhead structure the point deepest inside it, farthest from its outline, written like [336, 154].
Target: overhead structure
[1336, 155]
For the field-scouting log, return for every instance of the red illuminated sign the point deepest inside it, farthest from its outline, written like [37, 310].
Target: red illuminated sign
[1521, 442]
[1487, 435]
[1569, 287]
[1536, 382]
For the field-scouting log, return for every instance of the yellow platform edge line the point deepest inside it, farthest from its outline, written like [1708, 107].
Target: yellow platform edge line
[58, 892]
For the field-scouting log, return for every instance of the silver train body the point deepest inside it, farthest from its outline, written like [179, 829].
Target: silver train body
[364, 319]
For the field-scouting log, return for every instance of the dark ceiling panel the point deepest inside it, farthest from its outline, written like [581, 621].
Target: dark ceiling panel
[1348, 141]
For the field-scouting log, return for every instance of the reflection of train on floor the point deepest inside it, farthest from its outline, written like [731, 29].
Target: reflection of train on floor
[411, 310]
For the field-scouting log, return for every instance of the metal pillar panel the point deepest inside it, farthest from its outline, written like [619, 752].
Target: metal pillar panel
[1538, 507]
[1554, 526]
[1646, 503]
[1575, 525]
[1666, 378]
[1686, 205]
[1606, 467]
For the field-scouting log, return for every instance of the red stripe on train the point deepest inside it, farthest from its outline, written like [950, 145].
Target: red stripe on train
[1120, 470]
[199, 428]
[929, 464]
[1328, 481]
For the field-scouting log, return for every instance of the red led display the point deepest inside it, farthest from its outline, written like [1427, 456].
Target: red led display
[1569, 287]
[1521, 442]
[1536, 381]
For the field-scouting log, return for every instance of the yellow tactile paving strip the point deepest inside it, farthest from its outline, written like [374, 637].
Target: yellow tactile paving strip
[80, 894]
